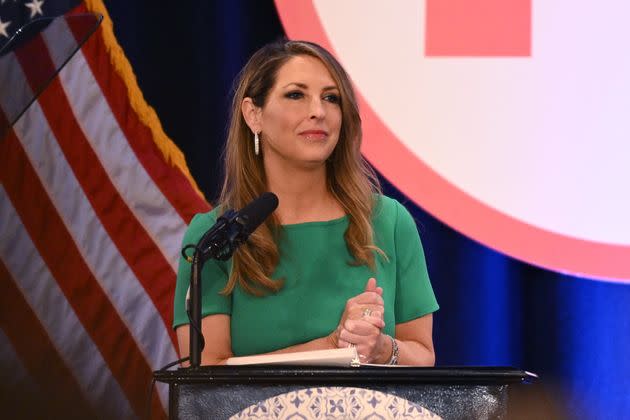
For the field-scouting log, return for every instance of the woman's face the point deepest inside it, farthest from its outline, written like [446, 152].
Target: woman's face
[301, 118]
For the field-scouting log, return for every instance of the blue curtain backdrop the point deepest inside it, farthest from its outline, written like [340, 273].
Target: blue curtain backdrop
[573, 332]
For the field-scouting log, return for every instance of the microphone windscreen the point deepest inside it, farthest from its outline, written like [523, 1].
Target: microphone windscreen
[253, 214]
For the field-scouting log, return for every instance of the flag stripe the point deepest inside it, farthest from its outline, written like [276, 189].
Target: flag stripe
[47, 300]
[73, 276]
[175, 186]
[20, 94]
[59, 388]
[137, 248]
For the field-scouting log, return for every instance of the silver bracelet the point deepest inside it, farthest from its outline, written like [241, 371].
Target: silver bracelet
[394, 359]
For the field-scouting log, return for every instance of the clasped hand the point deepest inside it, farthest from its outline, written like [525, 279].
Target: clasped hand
[361, 324]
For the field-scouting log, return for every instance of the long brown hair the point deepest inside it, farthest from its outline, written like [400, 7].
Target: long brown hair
[350, 179]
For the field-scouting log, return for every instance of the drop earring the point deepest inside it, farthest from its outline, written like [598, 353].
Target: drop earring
[256, 144]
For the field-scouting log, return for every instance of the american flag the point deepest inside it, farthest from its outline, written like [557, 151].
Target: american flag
[94, 201]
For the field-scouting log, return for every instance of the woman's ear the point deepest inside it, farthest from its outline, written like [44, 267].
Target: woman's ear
[252, 115]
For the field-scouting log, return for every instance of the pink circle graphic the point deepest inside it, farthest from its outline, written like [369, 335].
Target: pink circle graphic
[450, 203]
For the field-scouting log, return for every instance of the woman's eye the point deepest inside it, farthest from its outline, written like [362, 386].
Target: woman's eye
[294, 95]
[332, 98]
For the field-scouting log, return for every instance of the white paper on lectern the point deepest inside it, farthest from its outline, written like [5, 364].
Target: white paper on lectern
[345, 357]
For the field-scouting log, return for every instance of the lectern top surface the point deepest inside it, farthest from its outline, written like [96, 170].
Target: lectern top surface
[295, 374]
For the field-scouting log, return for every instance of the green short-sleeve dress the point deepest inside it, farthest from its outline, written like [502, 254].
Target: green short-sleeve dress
[318, 281]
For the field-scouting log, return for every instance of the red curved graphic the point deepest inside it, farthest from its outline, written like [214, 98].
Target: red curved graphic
[448, 203]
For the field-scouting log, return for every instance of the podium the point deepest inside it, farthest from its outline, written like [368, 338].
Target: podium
[224, 392]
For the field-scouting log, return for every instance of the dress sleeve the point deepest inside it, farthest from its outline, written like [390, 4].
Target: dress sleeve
[414, 294]
[214, 276]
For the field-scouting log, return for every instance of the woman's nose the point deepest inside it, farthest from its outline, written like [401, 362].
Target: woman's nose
[317, 109]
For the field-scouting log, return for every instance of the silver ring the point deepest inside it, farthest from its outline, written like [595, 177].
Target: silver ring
[367, 312]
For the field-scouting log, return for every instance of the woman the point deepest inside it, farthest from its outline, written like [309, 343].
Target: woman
[337, 264]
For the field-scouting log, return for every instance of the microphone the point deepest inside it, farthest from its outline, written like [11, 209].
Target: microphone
[252, 215]
[233, 228]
